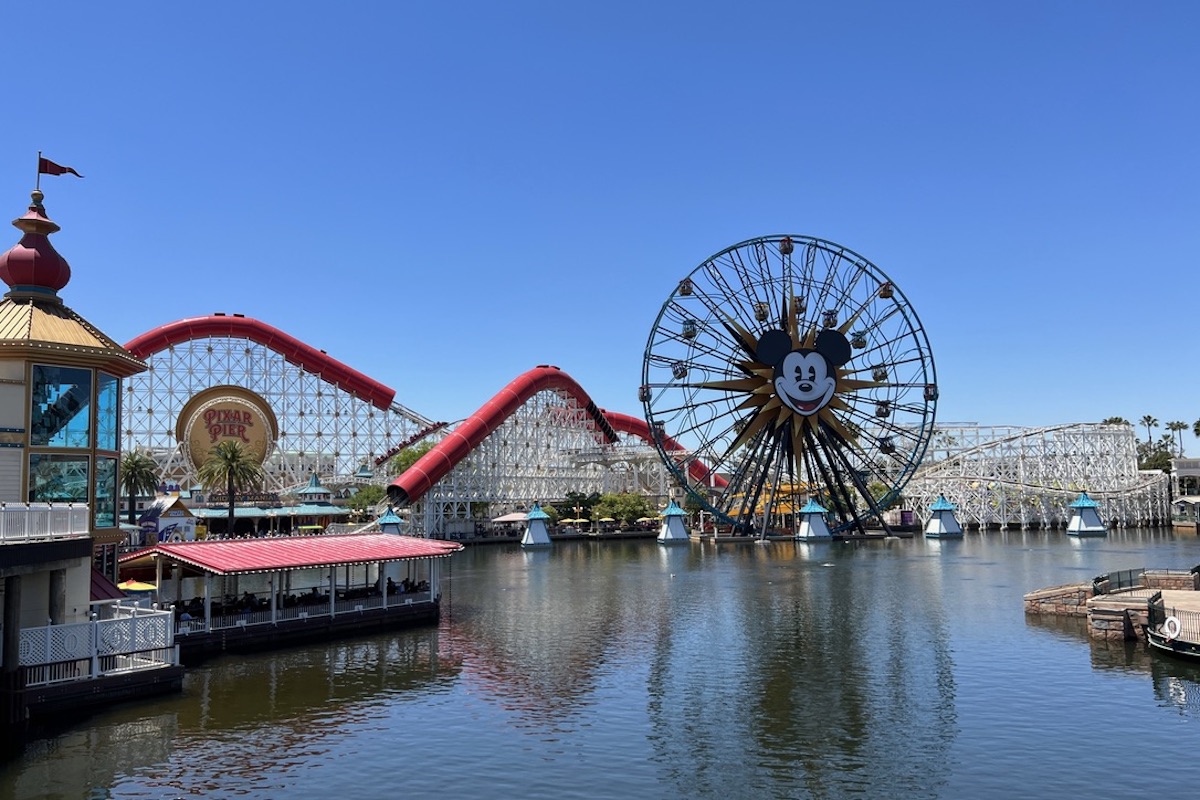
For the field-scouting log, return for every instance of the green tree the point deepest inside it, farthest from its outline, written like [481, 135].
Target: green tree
[1114, 421]
[231, 467]
[408, 456]
[367, 497]
[1156, 455]
[139, 476]
[580, 504]
[1149, 422]
[1178, 428]
[624, 507]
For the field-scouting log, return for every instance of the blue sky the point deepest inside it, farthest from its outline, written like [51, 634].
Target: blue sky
[444, 195]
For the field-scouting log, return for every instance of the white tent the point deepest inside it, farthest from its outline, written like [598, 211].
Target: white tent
[516, 516]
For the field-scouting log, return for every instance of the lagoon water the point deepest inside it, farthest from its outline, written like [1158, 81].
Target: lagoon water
[899, 668]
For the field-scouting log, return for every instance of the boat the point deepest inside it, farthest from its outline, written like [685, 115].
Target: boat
[1167, 633]
[1160, 640]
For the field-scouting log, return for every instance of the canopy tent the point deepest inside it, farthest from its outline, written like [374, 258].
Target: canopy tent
[516, 516]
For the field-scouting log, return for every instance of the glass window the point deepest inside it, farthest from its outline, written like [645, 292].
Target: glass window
[62, 402]
[108, 411]
[104, 506]
[58, 478]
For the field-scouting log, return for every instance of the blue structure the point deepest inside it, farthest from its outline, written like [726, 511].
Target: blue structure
[943, 524]
[536, 532]
[813, 527]
[389, 522]
[1085, 518]
[673, 530]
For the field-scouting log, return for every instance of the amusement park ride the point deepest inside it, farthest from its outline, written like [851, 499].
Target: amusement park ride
[780, 370]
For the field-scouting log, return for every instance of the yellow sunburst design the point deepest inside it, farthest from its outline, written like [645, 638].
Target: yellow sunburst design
[765, 406]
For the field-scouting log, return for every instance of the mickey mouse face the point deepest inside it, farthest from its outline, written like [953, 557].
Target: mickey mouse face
[803, 382]
[805, 379]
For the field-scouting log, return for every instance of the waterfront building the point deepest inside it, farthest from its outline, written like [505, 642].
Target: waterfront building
[69, 639]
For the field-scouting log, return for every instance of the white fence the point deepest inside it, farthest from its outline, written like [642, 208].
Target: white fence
[25, 522]
[119, 638]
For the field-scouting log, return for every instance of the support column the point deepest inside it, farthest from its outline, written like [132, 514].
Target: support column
[332, 590]
[58, 596]
[12, 623]
[208, 601]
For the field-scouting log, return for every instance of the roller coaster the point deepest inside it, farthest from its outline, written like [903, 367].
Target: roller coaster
[542, 436]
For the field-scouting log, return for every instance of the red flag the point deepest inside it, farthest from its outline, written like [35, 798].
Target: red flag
[48, 167]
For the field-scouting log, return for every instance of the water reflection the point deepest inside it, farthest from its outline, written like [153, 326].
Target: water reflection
[899, 668]
[831, 676]
[240, 724]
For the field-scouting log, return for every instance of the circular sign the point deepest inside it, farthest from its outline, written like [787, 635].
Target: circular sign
[222, 414]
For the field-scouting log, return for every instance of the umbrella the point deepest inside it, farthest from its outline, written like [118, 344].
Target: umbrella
[607, 519]
[645, 519]
[136, 586]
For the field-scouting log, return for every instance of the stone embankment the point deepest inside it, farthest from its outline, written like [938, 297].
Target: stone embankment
[1112, 614]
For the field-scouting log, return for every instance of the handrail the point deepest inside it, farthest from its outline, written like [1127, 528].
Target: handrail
[28, 522]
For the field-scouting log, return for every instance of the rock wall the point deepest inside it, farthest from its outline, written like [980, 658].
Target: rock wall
[1064, 601]
[1171, 579]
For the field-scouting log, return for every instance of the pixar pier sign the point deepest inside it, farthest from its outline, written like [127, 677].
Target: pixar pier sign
[228, 423]
[226, 413]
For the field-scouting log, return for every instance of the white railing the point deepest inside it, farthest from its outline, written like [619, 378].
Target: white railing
[119, 638]
[26, 522]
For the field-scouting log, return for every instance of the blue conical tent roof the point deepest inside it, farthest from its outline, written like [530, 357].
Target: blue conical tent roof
[1083, 501]
[673, 510]
[942, 504]
[389, 517]
[537, 513]
[813, 507]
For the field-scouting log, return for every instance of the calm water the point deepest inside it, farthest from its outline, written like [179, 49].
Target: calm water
[903, 668]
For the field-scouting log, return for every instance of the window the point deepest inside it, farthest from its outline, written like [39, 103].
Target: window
[61, 413]
[108, 411]
[58, 479]
[104, 504]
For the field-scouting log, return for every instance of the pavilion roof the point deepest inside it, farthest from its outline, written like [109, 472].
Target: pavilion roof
[243, 556]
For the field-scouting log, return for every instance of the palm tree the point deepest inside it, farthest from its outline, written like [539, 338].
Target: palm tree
[1149, 422]
[1120, 421]
[1196, 428]
[1178, 428]
[230, 467]
[139, 476]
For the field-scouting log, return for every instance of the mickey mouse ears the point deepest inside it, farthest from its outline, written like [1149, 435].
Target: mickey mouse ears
[773, 345]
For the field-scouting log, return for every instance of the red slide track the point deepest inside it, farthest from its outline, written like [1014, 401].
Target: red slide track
[305, 356]
[430, 468]
[636, 426]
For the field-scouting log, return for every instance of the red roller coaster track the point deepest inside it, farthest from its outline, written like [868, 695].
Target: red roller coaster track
[430, 468]
[434, 465]
[295, 351]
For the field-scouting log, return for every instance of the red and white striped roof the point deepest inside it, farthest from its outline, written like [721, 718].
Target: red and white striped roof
[241, 556]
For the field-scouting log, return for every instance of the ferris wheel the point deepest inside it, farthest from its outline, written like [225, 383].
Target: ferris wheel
[788, 369]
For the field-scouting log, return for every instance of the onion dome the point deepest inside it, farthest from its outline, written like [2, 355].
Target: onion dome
[33, 268]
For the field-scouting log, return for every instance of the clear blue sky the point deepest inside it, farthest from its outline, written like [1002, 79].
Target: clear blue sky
[444, 195]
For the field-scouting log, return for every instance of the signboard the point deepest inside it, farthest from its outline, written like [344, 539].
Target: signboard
[226, 413]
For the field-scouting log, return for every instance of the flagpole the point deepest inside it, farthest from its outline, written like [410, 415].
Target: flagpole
[37, 185]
